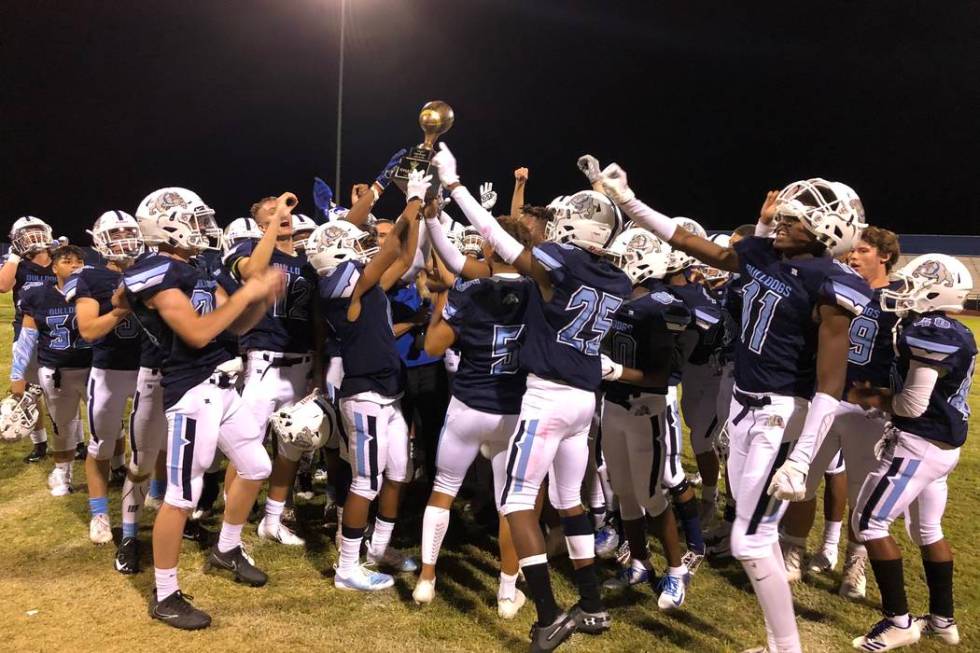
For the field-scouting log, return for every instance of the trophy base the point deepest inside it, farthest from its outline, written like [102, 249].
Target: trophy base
[417, 158]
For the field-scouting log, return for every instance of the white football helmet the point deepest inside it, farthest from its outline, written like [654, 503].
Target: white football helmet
[308, 424]
[116, 236]
[830, 210]
[712, 275]
[178, 217]
[640, 254]
[332, 243]
[238, 230]
[932, 282]
[19, 416]
[588, 219]
[303, 226]
[682, 260]
[30, 235]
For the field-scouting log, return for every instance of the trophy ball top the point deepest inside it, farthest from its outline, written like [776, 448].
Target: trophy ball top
[436, 117]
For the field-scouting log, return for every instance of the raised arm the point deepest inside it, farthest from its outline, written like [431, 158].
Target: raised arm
[272, 216]
[8, 273]
[361, 207]
[614, 185]
[454, 260]
[517, 199]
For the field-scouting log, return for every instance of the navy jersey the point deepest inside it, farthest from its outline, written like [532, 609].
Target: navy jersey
[564, 334]
[286, 326]
[777, 347]
[120, 348]
[872, 352]
[59, 343]
[938, 341]
[488, 318]
[183, 367]
[367, 346]
[639, 329]
[708, 320]
[28, 275]
[229, 284]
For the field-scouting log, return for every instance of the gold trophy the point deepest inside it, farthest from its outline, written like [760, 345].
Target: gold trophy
[435, 119]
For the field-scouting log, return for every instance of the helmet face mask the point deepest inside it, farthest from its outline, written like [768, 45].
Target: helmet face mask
[931, 282]
[30, 235]
[116, 236]
[640, 254]
[713, 276]
[587, 219]
[471, 244]
[333, 243]
[829, 210]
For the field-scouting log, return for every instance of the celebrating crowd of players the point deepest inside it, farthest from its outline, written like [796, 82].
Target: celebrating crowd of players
[566, 330]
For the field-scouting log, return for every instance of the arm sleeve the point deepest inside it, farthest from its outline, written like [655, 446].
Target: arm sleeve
[506, 246]
[913, 400]
[22, 353]
[653, 220]
[819, 418]
[452, 257]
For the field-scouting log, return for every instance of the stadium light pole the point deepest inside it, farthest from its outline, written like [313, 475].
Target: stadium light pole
[340, 97]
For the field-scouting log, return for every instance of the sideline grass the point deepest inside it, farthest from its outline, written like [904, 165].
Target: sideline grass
[48, 565]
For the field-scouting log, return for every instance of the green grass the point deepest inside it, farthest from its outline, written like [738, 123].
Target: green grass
[48, 565]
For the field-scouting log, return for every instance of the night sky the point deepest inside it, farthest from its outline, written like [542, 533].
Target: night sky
[705, 106]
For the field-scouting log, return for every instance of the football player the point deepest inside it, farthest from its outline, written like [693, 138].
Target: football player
[352, 299]
[184, 311]
[793, 345]
[484, 319]
[115, 357]
[28, 263]
[579, 291]
[855, 431]
[929, 421]
[49, 326]
[303, 226]
[641, 352]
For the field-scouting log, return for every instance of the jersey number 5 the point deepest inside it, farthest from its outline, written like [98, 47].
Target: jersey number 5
[504, 350]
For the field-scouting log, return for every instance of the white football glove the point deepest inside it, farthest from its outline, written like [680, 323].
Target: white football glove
[611, 370]
[488, 196]
[589, 165]
[885, 445]
[789, 481]
[722, 443]
[613, 180]
[417, 185]
[445, 164]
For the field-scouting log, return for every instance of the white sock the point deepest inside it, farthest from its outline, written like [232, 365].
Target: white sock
[508, 587]
[709, 493]
[273, 512]
[166, 582]
[231, 536]
[65, 466]
[768, 577]
[435, 522]
[38, 436]
[677, 572]
[350, 553]
[381, 536]
[902, 620]
[133, 496]
[831, 535]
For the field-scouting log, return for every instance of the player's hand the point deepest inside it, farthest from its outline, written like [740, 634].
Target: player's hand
[445, 164]
[488, 196]
[789, 481]
[432, 208]
[418, 185]
[768, 210]
[861, 394]
[119, 299]
[886, 444]
[589, 165]
[17, 388]
[384, 177]
[611, 370]
[357, 192]
[615, 185]
[266, 286]
[521, 175]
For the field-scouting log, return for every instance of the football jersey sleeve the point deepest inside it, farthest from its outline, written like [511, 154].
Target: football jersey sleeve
[553, 257]
[845, 288]
[928, 341]
[235, 255]
[27, 301]
[457, 303]
[339, 284]
[144, 284]
[668, 312]
[76, 287]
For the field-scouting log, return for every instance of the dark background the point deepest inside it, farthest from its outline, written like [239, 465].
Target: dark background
[706, 105]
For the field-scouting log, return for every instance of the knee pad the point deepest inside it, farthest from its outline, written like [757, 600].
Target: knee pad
[101, 449]
[446, 483]
[579, 536]
[656, 504]
[364, 487]
[750, 547]
[177, 495]
[141, 465]
[923, 534]
[256, 466]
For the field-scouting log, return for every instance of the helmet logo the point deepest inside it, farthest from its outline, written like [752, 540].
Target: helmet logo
[935, 271]
[166, 201]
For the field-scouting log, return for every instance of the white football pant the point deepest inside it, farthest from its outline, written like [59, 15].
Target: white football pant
[147, 422]
[274, 380]
[634, 455]
[376, 442]
[107, 393]
[64, 390]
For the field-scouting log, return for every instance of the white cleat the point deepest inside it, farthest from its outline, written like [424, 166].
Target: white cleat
[854, 583]
[634, 574]
[885, 635]
[822, 561]
[361, 579]
[508, 608]
[424, 592]
[279, 533]
[941, 627]
[672, 592]
[793, 558]
[59, 481]
[100, 530]
[392, 559]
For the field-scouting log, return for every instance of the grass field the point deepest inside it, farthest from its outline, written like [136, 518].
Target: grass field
[58, 592]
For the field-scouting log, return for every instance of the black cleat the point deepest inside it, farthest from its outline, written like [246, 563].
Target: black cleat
[548, 638]
[117, 476]
[194, 532]
[239, 563]
[81, 452]
[38, 453]
[593, 623]
[128, 556]
[176, 610]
